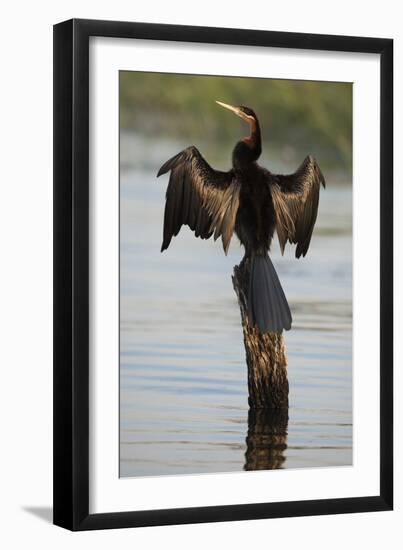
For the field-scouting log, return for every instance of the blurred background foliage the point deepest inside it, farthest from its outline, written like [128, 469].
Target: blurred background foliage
[297, 117]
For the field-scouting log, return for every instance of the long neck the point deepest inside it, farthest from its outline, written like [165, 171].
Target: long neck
[255, 139]
[248, 150]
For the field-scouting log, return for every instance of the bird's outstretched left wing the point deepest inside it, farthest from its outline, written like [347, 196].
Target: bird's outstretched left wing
[296, 199]
[198, 196]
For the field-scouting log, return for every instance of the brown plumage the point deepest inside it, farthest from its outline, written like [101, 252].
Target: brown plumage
[251, 201]
[204, 199]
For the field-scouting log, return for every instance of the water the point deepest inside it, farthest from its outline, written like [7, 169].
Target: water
[183, 377]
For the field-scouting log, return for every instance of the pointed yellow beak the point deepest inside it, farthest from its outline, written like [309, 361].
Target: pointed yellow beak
[235, 110]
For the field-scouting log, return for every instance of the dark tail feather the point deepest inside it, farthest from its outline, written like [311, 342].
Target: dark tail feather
[267, 305]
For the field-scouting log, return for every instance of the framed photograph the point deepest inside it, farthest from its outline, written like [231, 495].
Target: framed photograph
[223, 236]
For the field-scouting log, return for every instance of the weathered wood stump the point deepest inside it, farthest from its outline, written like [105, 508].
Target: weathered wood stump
[267, 439]
[265, 353]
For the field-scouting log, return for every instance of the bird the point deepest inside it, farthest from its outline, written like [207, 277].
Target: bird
[254, 203]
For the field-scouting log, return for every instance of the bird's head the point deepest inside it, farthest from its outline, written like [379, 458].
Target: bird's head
[243, 112]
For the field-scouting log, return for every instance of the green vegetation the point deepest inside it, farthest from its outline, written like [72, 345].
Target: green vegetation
[315, 117]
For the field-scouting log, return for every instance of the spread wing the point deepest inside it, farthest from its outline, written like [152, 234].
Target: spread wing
[296, 199]
[198, 196]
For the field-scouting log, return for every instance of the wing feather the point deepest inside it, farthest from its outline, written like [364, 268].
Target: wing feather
[296, 200]
[205, 199]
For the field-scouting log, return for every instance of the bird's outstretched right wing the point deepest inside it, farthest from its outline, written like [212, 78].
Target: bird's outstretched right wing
[205, 199]
[296, 199]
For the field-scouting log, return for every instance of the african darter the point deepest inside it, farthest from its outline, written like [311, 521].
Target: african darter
[252, 201]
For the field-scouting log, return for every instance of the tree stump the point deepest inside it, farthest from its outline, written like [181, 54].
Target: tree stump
[265, 353]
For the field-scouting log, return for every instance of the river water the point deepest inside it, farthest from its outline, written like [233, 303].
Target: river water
[183, 377]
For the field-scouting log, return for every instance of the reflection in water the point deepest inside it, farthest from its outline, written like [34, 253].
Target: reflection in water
[267, 439]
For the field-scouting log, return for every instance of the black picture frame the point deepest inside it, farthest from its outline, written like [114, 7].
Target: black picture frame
[71, 274]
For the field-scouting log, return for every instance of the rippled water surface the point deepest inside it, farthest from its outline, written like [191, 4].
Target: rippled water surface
[183, 378]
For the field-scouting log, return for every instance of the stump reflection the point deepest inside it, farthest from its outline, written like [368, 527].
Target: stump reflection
[267, 439]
